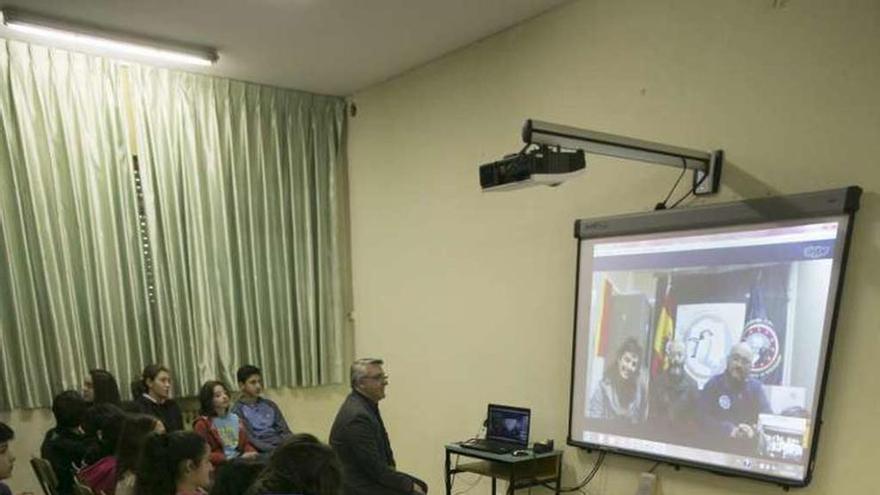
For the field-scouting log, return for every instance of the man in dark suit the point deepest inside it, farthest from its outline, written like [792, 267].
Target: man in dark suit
[360, 440]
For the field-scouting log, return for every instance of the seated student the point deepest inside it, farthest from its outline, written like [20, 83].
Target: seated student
[235, 477]
[301, 465]
[7, 460]
[174, 464]
[65, 445]
[135, 430]
[263, 420]
[155, 398]
[99, 387]
[100, 471]
[221, 428]
[97, 419]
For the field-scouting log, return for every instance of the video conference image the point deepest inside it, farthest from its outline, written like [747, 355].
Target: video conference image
[708, 347]
[508, 424]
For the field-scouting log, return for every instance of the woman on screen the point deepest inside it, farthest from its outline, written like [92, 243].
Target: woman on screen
[622, 393]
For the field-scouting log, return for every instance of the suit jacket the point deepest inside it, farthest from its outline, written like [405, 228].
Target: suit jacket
[360, 440]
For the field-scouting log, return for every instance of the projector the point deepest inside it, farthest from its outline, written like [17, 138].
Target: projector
[539, 166]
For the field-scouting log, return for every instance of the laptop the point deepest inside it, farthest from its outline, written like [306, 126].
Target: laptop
[507, 430]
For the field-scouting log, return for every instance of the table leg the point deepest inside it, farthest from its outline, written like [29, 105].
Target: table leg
[448, 475]
[558, 474]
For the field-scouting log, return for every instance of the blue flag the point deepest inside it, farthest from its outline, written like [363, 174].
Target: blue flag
[767, 341]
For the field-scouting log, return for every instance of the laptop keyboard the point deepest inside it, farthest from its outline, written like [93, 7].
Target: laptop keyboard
[489, 446]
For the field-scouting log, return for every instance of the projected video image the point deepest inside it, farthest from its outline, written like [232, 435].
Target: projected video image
[509, 425]
[706, 348]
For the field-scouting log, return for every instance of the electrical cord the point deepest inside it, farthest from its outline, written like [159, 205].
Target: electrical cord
[587, 479]
[470, 486]
[692, 191]
[662, 205]
[478, 478]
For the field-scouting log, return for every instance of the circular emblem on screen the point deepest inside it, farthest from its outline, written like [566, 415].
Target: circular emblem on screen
[724, 402]
[707, 340]
[761, 337]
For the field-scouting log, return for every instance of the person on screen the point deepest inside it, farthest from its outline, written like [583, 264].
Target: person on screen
[673, 394]
[731, 401]
[622, 392]
[513, 427]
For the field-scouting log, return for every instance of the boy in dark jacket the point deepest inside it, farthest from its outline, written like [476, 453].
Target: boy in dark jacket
[65, 446]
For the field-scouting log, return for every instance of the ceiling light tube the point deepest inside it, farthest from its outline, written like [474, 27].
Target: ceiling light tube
[114, 42]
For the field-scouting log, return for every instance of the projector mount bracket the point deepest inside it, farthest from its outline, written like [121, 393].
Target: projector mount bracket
[706, 166]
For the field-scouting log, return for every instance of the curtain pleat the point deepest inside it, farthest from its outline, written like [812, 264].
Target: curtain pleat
[241, 255]
[244, 181]
[72, 291]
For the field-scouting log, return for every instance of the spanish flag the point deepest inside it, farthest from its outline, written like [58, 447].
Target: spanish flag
[664, 332]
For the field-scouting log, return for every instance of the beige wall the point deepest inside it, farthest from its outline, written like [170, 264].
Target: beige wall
[469, 296]
[308, 410]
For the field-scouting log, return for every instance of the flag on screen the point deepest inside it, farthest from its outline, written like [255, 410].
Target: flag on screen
[601, 345]
[766, 340]
[664, 331]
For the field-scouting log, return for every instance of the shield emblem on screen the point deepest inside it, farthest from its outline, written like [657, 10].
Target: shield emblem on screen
[708, 332]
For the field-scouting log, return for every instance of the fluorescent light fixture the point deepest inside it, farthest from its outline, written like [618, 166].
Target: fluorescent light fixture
[112, 42]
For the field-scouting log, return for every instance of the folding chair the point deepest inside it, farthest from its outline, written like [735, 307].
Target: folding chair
[45, 475]
[80, 489]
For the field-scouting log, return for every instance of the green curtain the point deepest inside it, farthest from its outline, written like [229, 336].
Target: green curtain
[243, 186]
[72, 292]
[241, 254]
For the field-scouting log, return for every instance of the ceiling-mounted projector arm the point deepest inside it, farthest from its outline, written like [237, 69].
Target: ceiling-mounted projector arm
[600, 143]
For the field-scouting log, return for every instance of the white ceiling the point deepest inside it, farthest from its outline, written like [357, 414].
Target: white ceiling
[323, 46]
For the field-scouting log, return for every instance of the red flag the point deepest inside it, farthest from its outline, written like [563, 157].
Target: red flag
[664, 333]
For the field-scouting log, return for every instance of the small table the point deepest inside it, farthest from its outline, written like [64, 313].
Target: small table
[518, 471]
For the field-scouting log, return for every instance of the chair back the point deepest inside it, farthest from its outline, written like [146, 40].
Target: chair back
[81, 489]
[45, 475]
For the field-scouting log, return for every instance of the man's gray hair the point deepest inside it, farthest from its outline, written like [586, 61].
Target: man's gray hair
[359, 369]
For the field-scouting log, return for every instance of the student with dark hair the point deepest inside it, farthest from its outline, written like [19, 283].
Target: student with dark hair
[137, 388]
[65, 445]
[221, 428]
[236, 477]
[135, 430]
[7, 460]
[101, 425]
[301, 465]
[99, 387]
[174, 464]
[156, 397]
[263, 420]
[100, 473]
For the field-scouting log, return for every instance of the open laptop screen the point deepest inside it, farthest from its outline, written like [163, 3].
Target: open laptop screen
[508, 424]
